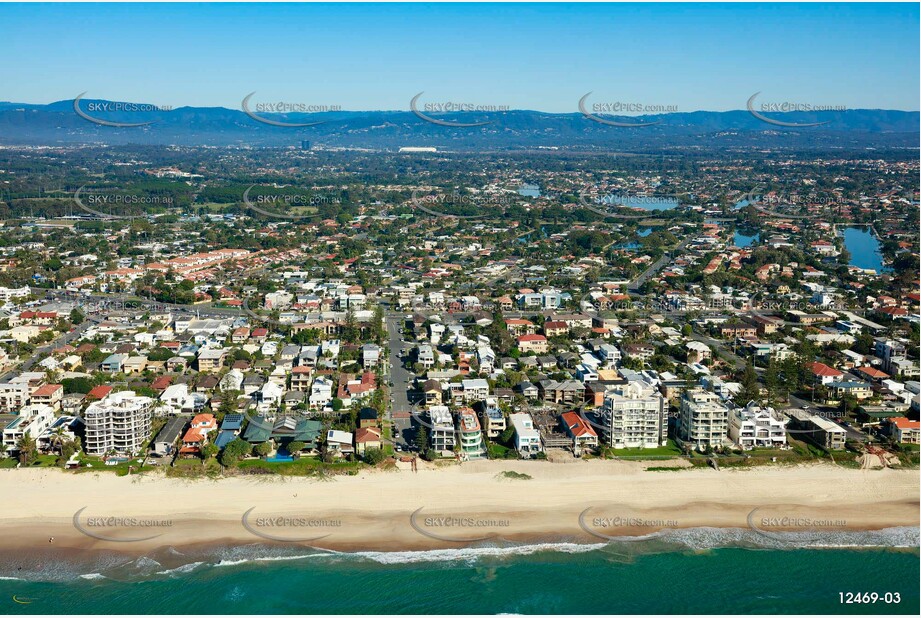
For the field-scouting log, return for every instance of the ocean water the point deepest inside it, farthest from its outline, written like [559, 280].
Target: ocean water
[698, 571]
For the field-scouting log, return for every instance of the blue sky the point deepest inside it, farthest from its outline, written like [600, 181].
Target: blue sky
[534, 56]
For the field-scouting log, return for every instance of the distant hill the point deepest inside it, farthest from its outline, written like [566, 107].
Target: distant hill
[58, 124]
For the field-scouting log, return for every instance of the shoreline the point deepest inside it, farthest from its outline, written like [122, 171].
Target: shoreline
[451, 508]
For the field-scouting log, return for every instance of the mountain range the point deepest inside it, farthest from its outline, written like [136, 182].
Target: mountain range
[852, 130]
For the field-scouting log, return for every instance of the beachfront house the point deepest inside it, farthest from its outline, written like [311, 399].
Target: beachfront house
[527, 438]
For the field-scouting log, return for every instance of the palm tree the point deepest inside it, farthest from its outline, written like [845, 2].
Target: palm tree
[57, 440]
[26, 448]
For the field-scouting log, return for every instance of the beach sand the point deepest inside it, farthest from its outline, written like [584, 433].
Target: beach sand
[582, 502]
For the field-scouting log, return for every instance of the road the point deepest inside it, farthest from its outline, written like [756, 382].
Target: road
[656, 266]
[41, 351]
[720, 346]
[400, 377]
[853, 434]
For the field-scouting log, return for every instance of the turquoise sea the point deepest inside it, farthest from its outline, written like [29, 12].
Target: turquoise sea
[674, 576]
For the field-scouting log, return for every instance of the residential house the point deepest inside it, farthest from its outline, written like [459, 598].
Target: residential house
[536, 344]
[432, 391]
[903, 431]
[113, 363]
[820, 431]
[339, 442]
[582, 434]
[50, 395]
[441, 430]
[370, 355]
[470, 435]
[367, 437]
[211, 359]
[32, 421]
[367, 417]
[756, 427]
[527, 438]
[697, 352]
[493, 418]
[823, 374]
[321, 393]
[165, 442]
[857, 390]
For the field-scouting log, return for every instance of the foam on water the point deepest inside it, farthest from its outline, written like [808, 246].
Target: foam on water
[471, 554]
[669, 540]
[185, 568]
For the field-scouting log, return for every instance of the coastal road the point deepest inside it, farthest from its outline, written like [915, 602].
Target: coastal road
[401, 379]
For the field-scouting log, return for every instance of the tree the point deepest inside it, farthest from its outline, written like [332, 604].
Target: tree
[57, 439]
[263, 449]
[374, 456]
[506, 436]
[76, 316]
[296, 446]
[377, 325]
[236, 450]
[750, 389]
[772, 380]
[848, 404]
[208, 451]
[26, 448]
[77, 385]
[422, 439]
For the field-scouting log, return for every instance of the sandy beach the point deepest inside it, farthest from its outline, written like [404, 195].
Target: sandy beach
[448, 507]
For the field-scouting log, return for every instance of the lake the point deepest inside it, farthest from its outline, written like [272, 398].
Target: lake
[864, 249]
[646, 202]
[742, 240]
[529, 190]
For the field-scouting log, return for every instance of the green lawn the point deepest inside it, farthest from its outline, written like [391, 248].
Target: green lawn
[669, 450]
[386, 433]
[497, 451]
[119, 469]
